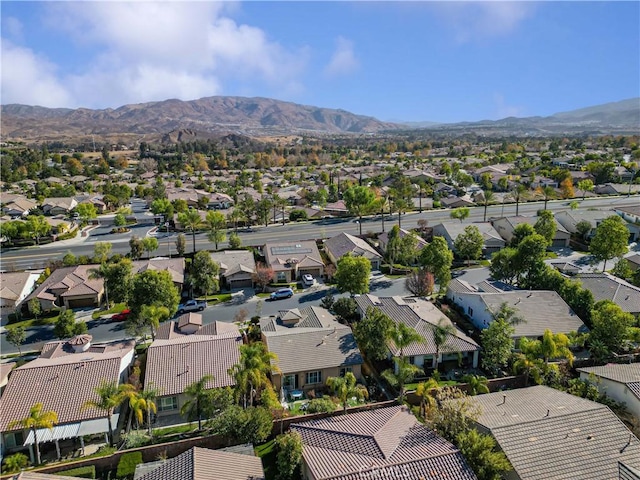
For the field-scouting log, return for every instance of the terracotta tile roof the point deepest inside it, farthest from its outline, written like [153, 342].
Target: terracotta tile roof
[62, 382]
[175, 363]
[204, 464]
[317, 341]
[385, 442]
[67, 279]
[546, 433]
[189, 319]
[175, 267]
[423, 317]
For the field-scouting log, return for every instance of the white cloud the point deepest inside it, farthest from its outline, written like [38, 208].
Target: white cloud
[483, 19]
[29, 79]
[13, 28]
[144, 51]
[343, 61]
[504, 110]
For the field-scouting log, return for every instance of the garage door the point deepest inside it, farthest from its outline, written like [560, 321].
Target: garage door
[247, 283]
[82, 302]
[315, 272]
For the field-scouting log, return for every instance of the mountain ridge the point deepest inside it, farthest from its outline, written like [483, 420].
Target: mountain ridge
[259, 116]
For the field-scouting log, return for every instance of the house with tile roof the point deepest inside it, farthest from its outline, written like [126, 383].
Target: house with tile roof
[385, 444]
[184, 350]
[541, 309]
[5, 370]
[604, 286]
[175, 267]
[383, 239]
[58, 205]
[14, 288]
[549, 434]
[338, 246]
[237, 268]
[620, 382]
[311, 346]
[20, 207]
[292, 260]
[493, 242]
[69, 287]
[206, 464]
[63, 378]
[505, 226]
[423, 317]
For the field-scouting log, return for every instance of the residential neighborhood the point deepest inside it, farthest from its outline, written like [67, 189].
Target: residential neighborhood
[403, 313]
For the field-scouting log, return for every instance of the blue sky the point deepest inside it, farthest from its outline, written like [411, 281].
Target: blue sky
[412, 61]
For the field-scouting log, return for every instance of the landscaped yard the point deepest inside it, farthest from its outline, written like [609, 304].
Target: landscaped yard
[443, 383]
[267, 453]
[117, 308]
[217, 298]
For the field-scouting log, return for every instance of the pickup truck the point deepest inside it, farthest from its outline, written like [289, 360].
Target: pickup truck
[192, 306]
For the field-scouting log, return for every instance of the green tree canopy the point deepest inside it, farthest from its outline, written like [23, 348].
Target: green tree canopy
[359, 201]
[372, 333]
[66, 326]
[546, 226]
[204, 272]
[216, 225]
[347, 387]
[38, 418]
[153, 287]
[610, 325]
[460, 213]
[353, 274]
[468, 244]
[610, 241]
[437, 258]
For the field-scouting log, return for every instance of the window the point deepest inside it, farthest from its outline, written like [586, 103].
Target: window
[314, 377]
[282, 277]
[168, 403]
[412, 360]
[13, 439]
[290, 382]
[470, 311]
[344, 370]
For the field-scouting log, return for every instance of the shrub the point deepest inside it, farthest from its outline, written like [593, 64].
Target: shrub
[88, 471]
[127, 464]
[298, 215]
[15, 462]
[135, 439]
[68, 235]
[321, 405]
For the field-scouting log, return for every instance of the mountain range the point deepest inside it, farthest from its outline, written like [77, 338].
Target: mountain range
[173, 119]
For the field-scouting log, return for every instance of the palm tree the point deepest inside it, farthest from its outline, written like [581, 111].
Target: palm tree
[518, 193]
[152, 315]
[346, 387]
[251, 373]
[441, 333]
[424, 391]
[101, 272]
[402, 336]
[234, 217]
[35, 420]
[146, 402]
[110, 396]
[489, 196]
[216, 226]
[405, 372]
[529, 366]
[191, 221]
[198, 393]
[476, 384]
[548, 193]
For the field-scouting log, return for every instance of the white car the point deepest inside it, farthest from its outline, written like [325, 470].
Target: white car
[307, 280]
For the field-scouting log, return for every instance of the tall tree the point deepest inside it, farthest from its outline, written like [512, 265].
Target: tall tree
[147, 403]
[191, 222]
[152, 316]
[117, 280]
[154, 287]
[198, 394]
[110, 397]
[372, 333]
[16, 336]
[610, 241]
[402, 336]
[420, 282]
[149, 244]
[519, 193]
[38, 227]
[546, 226]
[359, 201]
[101, 251]
[289, 455]
[102, 272]
[36, 419]
[66, 325]
[610, 325]
[469, 244]
[437, 258]
[216, 224]
[487, 198]
[251, 372]
[586, 186]
[135, 244]
[353, 274]
[496, 339]
[401, 194]
[181, 244]
[204, 272]
[548, 193]
[481, 452]
[347, 387]
[441, 333]
[404, 373]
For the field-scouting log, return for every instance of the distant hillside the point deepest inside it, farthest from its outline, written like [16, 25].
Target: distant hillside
[205, 116]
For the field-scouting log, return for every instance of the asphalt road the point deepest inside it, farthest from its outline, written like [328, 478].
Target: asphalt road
[37, 257]
[104, 330]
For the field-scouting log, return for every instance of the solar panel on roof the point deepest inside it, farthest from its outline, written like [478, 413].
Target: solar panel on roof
[289, 249]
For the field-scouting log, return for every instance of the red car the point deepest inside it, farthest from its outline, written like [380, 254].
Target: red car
[123, 315]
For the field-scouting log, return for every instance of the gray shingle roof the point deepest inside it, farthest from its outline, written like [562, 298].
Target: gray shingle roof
[422, 316]
[317, 341]
[344, 243]
[233, 261]
[622, 373]
[204, 464]
[386, 442]
[577, 439]
[607, 287]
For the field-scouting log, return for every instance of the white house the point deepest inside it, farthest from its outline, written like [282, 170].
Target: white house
[621, 382]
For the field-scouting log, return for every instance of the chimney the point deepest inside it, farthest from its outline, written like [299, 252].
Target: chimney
[80, 343]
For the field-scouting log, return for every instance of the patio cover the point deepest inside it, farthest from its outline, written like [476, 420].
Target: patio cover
[72, 430]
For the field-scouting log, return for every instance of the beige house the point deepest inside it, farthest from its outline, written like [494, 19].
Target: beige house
[621, 382]
[291, 260]
[505, 226]
[175, 267]
[63, 378]
[237, 268]
[343, 243]
[182, 353]
[310, 346]
[14, 288]
[58, 205]
[69, 287]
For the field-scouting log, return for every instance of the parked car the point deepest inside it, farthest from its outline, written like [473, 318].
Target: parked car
[282, 293]
[122, 316]
[307, 280]
[192, 306]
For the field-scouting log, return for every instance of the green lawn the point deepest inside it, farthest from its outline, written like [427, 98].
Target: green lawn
[217, 298]
[117, 308]
[32, 322]
[267, 453]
